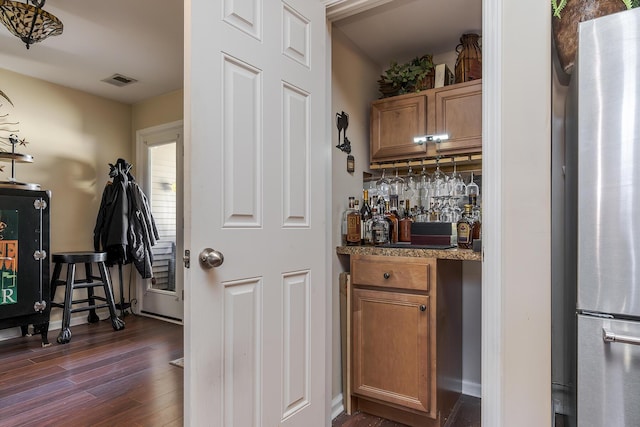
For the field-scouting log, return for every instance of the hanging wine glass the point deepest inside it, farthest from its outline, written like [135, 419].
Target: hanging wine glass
[410, 188]
[457, 186]
[472, 188]
[438, 181]
[396, 186]
[382, 186]
[424, 187]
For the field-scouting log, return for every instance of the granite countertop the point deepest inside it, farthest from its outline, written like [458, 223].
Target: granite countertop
[453, 253]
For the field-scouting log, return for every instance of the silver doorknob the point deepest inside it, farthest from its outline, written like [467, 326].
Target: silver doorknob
[210, 258]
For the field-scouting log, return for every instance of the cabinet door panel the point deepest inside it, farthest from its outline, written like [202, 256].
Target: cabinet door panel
[458, 113]
[394, 124]
[391, 348]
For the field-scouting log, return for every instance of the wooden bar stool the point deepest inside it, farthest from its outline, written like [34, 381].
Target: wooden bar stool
[89, 282]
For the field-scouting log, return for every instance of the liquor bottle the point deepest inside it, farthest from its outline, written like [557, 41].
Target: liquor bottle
[434, 212]
[368, 227]
[475, 215]
[352, 224]
[465, 229]
[365, 216]
[391, 213]
[379, 228]
[404, 224]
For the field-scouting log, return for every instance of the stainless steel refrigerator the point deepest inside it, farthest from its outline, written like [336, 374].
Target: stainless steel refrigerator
[603, 187]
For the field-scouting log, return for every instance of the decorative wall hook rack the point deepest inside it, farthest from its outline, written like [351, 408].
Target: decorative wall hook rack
[342, 123]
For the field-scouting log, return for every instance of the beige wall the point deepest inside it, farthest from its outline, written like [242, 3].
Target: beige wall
[73, 136]
[354, 86]
[156, 111]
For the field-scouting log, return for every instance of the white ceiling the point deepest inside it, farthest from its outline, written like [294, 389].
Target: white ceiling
[402, 29]
[141, 40]
[136, 38]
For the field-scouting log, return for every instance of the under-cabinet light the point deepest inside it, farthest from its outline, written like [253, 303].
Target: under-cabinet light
[428, 138]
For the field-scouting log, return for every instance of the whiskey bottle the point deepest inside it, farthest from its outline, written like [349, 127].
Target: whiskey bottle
[465, 228]
[365, 216]
[368, 227]
[379, 228]
[404, 225]
[351, 224]
[476, 216]
[391, 213]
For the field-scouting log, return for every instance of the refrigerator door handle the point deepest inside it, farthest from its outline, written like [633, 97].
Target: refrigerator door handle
[608, 336]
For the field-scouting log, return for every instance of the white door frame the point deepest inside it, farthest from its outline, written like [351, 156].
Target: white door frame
[516, 307]
[515, 33]
[143, 178]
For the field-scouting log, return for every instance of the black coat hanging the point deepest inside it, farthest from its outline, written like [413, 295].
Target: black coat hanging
[125, 228]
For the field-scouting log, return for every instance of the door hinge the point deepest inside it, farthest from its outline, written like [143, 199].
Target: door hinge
[40, 204]
[187, 258]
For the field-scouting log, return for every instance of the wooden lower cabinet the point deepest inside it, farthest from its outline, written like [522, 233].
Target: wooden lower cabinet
[406, 338]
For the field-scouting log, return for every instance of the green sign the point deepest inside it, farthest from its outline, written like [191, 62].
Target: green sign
[8, 257]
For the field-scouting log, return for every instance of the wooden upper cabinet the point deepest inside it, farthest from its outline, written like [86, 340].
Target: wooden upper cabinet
[458, 113]
[455, 110]
[395, 122]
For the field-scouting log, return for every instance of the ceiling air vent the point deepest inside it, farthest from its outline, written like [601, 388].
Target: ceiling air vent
[119, 80]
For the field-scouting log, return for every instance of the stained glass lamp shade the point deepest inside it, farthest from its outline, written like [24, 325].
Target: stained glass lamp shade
[29, 23]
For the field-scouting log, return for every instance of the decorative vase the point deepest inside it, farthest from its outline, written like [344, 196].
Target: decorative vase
[469, 62]
[565, 28]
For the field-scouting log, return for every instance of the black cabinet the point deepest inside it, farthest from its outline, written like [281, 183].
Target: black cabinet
[24, 260]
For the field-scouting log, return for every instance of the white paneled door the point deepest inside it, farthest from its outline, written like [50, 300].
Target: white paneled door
[256, 170]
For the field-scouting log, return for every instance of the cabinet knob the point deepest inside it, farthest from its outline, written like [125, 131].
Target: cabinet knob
[423, 307]
[386, 275]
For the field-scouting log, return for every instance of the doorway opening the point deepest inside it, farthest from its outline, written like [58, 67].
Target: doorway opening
[159, 155]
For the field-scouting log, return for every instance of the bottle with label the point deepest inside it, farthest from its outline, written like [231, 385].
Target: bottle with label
[404, 224]
[379, 228]
[368, 227]
[476, 216]
[351, 224]
[365, 216]
[391, 213]
[465, 228]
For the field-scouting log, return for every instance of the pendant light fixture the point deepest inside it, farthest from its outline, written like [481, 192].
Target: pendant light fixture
[29, 23]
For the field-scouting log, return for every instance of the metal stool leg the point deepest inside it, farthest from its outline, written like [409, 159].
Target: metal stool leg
[116, 322]
[65, 333]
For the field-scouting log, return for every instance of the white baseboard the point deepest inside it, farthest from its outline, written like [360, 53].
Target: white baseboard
[80, 319]
[7, 334]
[472, 389]
[337, 406]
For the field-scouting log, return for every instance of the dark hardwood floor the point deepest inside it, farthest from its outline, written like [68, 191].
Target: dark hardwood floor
[123, 378]
[101, 378]
[466, 415]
